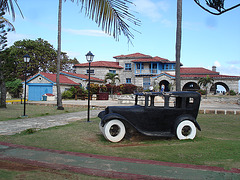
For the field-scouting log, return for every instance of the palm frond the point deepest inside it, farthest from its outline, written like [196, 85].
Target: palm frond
[6, 22]
[111, 16]
[9, 7]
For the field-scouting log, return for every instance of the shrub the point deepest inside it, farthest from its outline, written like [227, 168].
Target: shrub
[232, 93]
[128, 88]
[67, 95]
[103, 88]
[202, 92]
[80, 90]
[94, 88]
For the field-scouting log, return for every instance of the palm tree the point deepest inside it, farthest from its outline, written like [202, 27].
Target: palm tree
[178, 44]
[112, 77]
[109, 14]
[205, 81]
[59, 95]
[7, 5]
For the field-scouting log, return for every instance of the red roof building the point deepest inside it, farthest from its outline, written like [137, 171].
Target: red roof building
[145, 70]
[45, 83]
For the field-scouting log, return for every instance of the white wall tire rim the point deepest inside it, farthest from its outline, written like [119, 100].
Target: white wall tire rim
[187, 126]
[114, 131]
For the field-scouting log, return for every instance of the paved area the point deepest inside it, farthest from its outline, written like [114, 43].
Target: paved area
[19, 125]
[113, 167]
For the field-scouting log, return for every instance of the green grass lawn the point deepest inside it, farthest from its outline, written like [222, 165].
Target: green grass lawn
[15, 111]
[218, 143]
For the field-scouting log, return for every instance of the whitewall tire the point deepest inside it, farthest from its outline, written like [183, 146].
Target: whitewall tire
[114, 130]
[186, 130]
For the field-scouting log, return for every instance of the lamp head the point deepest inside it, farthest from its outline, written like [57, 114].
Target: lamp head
[26, 58]
[89, 57]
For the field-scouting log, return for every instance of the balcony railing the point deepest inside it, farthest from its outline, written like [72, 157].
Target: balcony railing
[147, 71]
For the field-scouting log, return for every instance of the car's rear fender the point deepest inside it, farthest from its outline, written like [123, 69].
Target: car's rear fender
[187, 117]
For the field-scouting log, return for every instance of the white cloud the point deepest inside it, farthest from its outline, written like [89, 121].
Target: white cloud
[229, 70]
[73, 54]
[151, 9]
[86, 32]
[13, 36]
[217, 64]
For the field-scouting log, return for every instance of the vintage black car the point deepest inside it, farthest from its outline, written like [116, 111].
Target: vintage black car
[154, 114]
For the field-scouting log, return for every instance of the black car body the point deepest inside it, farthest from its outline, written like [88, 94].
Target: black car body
[175, 116]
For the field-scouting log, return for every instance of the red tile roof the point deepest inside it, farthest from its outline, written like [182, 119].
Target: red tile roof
[62, 79]
[190, 72]
[135, 55]
[197, 70]
[82, 76]
[153, 59]
[108, 64]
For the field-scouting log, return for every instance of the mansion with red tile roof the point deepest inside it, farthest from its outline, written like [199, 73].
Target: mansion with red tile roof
[145, 70]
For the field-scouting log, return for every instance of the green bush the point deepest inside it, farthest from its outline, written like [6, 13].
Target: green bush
[202, 92]
[128, 88]
[67, 95]
[232, 93]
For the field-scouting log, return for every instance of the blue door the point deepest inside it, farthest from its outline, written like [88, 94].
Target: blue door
[37, 90]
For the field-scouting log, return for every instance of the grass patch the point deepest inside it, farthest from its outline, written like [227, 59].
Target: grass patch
[217, 144]
[13, 170]
[15, 111]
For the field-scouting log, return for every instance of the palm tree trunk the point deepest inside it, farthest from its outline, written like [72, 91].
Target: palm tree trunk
[59, 95]
[3, 91]
[178, 44]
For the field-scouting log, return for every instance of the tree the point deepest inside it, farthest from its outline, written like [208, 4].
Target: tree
[3, 43]
[217, 5]
[43, 58]
[112, 77]
[14, 87]
[178, 45]
[109, 14]
[205, 81]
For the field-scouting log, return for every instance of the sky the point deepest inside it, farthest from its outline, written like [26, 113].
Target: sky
[207, 40]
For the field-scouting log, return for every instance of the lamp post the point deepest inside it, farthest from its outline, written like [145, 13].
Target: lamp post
[26, 59]
[89, 57]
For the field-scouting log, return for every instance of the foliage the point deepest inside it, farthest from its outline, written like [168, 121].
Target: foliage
[67, 64]
[7, 5]
[112, 77]
[202, 92]
[29, 131]
[94, 88]
[128, 88]
[217, 5]
[5, 27]
[14, 87]
[43, 57]
[77, 90]
[232, 93]
[103, 88]
[205, 81]
[67, 95]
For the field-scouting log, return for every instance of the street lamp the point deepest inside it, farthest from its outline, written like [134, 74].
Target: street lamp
[26, 59]
[89, 57]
